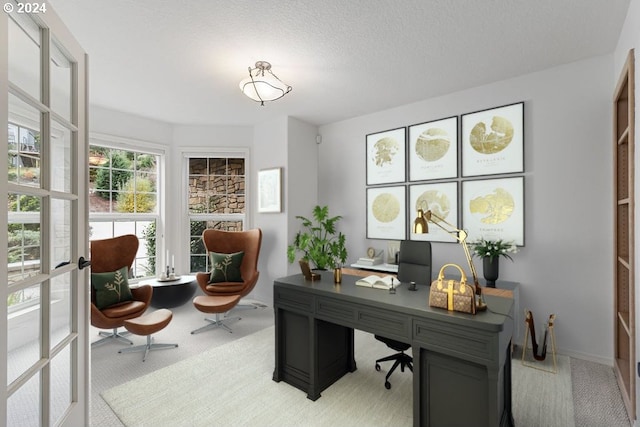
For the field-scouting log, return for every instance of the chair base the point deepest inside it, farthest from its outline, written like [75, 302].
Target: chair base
[113, 335]
[401, 359]
[150, 345]
[216, 323]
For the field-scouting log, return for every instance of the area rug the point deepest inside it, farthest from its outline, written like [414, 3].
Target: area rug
[232, 385]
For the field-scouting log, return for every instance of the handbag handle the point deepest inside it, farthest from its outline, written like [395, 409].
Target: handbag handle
[463, 277]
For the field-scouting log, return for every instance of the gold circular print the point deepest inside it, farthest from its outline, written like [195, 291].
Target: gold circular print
[385, 207]
[491, 142]
[493, 208]
[432, 144]
[436, 201]
[385, 150]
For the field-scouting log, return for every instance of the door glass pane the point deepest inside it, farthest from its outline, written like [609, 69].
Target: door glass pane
[23, 334]
[60, 308]
[60, 231]
[60, 384]
[24, 141]
[61, 68]
[23, 407]
[24, 54]
[24, 236]
[61, 169]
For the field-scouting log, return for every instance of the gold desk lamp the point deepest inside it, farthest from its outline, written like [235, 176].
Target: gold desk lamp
[421, 226]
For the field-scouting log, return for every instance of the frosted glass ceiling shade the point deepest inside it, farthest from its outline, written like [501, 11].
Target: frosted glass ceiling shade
[262, 85]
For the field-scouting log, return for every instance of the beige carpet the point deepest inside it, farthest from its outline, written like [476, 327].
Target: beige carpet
[232, 385]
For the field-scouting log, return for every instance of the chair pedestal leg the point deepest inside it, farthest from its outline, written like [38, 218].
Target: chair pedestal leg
[216, 323]
[115, 335]
[150, 345]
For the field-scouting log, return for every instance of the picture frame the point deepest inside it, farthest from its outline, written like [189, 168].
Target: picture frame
[493, 141]
[270, 190]
[386, 213]
[433, 149]
[494, 209]
[386, 157]
[442, 200]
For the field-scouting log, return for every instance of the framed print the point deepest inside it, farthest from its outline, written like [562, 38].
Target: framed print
[433, 150]
[494, 209]
[269, 190]
[493, 141]
[386, 213]
[386, 157]
[442, 200]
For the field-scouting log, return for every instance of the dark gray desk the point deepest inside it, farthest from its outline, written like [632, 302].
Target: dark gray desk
[462, 363]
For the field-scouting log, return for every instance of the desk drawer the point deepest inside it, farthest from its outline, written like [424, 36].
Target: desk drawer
[386, 323]
[334, 311]
[285, 298]
[464, 343]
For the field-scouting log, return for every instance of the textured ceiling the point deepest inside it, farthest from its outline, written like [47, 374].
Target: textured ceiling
[180, 61]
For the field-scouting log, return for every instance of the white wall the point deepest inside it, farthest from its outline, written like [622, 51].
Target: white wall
[291, 144]
[270, 142]
[302, 179]
[566, 266]
[102, 120]
[630, 39]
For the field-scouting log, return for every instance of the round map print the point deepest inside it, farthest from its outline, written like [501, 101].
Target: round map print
[432, 144]
[385, 207]
[385, 149]
[436, 201]
[491, 142]
[494, 207]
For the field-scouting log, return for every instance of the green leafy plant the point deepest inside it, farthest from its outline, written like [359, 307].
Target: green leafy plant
[319, 241]
[494, 248]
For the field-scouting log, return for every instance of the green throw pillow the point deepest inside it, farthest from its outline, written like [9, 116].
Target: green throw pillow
[111, 288]
[225, 267]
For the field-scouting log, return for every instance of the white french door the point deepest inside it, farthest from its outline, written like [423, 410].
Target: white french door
[44, 323]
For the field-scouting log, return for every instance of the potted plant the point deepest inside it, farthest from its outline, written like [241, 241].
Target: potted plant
[318, 241]
[490, 251]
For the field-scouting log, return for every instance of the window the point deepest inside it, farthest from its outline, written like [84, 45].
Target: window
[124, 199]
[216, 199]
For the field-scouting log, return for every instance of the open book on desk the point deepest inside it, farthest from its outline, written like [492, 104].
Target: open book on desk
[378, 282]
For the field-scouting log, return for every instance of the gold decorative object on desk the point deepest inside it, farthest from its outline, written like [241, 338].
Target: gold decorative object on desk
[337, 275]
[421, 226]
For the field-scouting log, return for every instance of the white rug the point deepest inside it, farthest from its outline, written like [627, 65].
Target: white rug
[232, 385]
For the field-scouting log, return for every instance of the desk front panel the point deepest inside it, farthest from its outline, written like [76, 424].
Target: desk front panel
[452, 351]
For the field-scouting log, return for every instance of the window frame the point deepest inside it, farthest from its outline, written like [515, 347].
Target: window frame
[216, 152]
[138, 146]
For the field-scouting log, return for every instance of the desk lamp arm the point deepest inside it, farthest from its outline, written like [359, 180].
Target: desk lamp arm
[461, 237]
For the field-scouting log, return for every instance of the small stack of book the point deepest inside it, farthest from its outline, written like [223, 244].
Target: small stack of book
[370, 261]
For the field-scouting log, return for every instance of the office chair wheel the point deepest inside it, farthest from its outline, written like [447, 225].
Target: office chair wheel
[387, 385]
[377, 367]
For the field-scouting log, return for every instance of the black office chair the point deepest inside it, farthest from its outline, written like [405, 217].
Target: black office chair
[414, 265]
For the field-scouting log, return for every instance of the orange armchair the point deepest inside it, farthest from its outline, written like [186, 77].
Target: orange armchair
[110, 255]
[228, 242]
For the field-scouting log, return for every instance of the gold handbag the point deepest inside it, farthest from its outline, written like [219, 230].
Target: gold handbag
[451, 294]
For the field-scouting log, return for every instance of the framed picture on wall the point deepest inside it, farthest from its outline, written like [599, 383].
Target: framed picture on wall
[269, 190]
[493, 141]
[386, 213]
[433, 150]
[386, 157]
[494, 209]
[442, 200]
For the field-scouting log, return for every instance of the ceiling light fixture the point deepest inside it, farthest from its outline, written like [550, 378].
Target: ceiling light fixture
[262, 85]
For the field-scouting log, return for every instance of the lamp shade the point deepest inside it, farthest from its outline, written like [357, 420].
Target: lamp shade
[262, 85]
[420, 225]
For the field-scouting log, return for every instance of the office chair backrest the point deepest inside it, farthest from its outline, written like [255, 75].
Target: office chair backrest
[414, 262]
